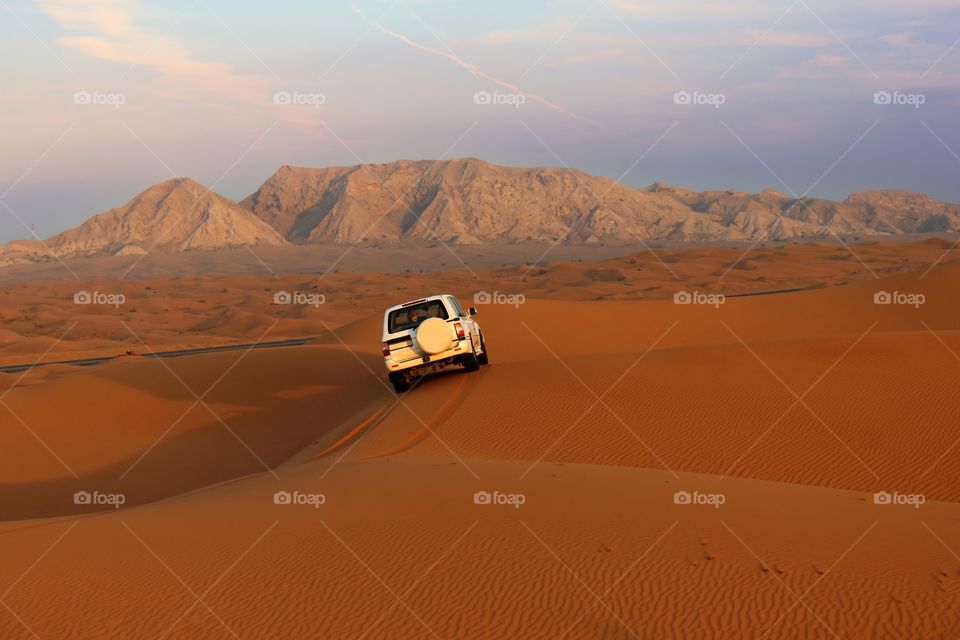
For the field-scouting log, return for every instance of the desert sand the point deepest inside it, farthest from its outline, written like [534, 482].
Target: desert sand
[604, 401]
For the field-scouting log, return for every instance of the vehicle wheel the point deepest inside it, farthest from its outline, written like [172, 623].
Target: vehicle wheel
[482, 358]
[471, 362]
[433, 336]
[400, 384]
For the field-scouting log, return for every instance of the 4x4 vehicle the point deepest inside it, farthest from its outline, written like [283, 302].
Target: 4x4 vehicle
[428, 334]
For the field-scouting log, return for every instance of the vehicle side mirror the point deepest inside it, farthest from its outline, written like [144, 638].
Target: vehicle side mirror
[473, 311]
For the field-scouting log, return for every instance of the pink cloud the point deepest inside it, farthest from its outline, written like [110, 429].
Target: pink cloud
[112, 34]
[829, 60]
[802, 39]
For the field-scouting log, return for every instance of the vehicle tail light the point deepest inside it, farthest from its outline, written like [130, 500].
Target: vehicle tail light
[459, 328]
[386, 348]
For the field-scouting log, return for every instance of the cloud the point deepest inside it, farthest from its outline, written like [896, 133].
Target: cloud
[911, 6]
[109, 31]
[535, 33]
[689, 9]
[590, 56]
[903, 39]
[801, 39]
[472, 68]
[111, 17]
[829, 60]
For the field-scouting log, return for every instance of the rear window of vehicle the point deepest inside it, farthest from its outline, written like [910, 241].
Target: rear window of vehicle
[411, 317]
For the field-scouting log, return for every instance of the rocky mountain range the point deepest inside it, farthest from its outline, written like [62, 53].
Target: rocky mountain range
[469, 201]
[176, 215]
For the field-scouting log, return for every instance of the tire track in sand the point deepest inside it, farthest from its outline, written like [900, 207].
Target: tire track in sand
[425, 428]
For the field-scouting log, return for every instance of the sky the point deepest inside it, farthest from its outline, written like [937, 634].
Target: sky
[103, 98]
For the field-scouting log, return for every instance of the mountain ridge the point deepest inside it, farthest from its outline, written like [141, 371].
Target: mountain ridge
[173, 216]
[470, 201]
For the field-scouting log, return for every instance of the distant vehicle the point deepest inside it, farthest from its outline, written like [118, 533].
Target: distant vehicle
[428, 334]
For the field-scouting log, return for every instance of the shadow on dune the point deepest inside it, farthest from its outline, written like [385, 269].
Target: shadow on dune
[278, 406]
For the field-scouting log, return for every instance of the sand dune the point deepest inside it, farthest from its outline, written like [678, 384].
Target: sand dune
[704, 401]
[198, 311]
[595, 551]
[162, 441]
[692, 399]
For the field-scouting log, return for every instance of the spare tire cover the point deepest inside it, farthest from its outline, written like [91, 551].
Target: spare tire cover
[433, 336]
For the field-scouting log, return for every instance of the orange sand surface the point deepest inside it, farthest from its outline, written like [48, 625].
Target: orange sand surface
[605, 404]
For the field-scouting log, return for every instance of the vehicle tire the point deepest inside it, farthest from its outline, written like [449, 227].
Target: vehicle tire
[433, 336]
[400, 384]
[471, 362]
[482, 358]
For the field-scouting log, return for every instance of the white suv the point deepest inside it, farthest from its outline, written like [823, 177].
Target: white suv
[428, 334]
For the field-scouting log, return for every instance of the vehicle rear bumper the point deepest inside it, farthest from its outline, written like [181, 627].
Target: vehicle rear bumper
[440, 359]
